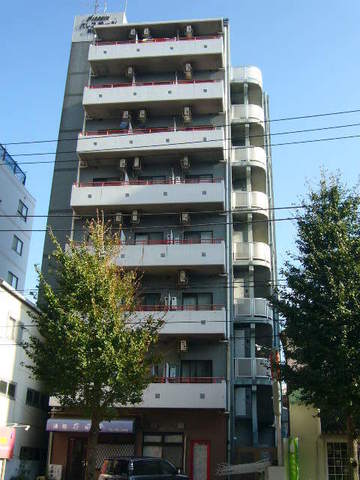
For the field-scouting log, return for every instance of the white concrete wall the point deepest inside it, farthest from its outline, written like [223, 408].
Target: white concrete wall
[188, 322]
[180, 256]
[154, 93]
[139, 195]
[256, 200]
[131, 51]
[12, 190]
[250, 113]
[248, 74]
[112, 145]
[251, 252]
[11, 369]
[254, 155]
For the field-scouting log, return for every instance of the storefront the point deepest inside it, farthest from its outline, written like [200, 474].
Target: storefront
[194, 441]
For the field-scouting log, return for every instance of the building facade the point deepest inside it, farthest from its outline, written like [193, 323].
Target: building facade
[22, 403]
[171, 142]
[16, 210]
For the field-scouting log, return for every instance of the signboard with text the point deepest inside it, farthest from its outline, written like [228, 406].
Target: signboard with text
[7, 442]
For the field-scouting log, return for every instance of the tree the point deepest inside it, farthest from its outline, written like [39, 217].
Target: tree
[321, 307]
[93, 353]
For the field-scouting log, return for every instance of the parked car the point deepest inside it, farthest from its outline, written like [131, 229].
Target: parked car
[139, 468]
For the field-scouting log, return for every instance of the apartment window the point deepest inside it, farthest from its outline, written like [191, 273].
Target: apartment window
[12, 331]
[196, 369]
[17, 245]
[22, 210]
[13, 280]
[8, 389]
[164, 445]
[198, 237]
[36, 399]
[197, 301]
[337, 461]
[150, 299]
[148, 238]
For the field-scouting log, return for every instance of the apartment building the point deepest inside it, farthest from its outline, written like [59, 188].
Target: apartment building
[16, 210]
[23, 405]
[171, 142]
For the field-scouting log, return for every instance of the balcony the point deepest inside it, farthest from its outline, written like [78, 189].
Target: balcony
[256, 253]
[149, 195]
[208, 320]
[180, 393]
[157, 54]
[257, 201]
[252, 368]
[256, 309]
[174, 255]
[104, 144]
[247, 114]
[158, 98]
[249, 74]
[248, 155]
[185, 393]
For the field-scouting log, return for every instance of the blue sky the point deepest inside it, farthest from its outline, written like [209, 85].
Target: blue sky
[308, 52]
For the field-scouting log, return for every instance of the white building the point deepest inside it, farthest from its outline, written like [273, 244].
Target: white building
[16, 210]
[21, 399]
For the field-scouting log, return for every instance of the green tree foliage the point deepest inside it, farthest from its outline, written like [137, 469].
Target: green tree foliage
[321, 308]
[93, 353]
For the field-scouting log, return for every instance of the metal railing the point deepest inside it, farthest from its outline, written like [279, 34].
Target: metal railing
[173, 242]
[180, 308]
[252, 307]
[187, 379]
[252, 367]
[139, 131]
[150, 84]
[7, 160]
[157, 40]
[166, 181]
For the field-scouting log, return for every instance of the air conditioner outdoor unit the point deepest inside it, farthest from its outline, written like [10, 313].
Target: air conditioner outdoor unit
[188, 71]
[119, 217]
[83, 164]
[184, 347]
[189, 31]
[132, 34]
[185, 163]
[187, 115]
[135, 218]
[122, 163]
[137, 163]
[183, 278]
[126, 115]
[130, 72]
[184, 217]
[146, 33]
[142, 116]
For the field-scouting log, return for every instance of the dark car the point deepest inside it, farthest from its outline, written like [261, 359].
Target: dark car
[139, 468]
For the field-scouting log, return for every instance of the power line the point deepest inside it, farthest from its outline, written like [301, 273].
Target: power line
[299, 142]
[300, 117]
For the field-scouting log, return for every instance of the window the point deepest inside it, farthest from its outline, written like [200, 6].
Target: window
[12, 331]
[117, 467]
[197, 301]
[8, 389]
[36, 399]
[148, 238]
[169, 446]
[198, 237]
[196, 369]
[17, 245]
[337, 461]
[22, 210]
[151, 299]
[13, 280]
[147, 467]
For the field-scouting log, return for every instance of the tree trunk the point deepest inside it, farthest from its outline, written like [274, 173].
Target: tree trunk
[352, 448]
[91, 446]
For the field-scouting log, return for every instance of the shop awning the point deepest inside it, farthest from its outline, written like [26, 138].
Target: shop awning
[83, 425]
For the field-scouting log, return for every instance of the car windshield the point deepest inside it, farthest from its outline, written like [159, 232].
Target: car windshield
[117, 467]
[147, 467]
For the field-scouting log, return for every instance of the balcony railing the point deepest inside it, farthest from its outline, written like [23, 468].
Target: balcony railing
[180, 308]
[252, 252]
[140, 131]
[174, 241]
[149, 84]
[166, 181]
[187, 379]
[257, 201]
[6, 159]
[158, 40]
[253, 307]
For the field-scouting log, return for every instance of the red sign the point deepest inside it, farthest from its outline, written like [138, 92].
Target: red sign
[7, 442]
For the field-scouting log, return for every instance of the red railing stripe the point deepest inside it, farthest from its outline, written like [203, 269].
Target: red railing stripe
[173, 242]
[149, 84]
[158, 40]
[138, 131]
[187, 379]
[181, 308]
[130, 183]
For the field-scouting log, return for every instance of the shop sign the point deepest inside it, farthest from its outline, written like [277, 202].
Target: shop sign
[83, 425]
[7, 442]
